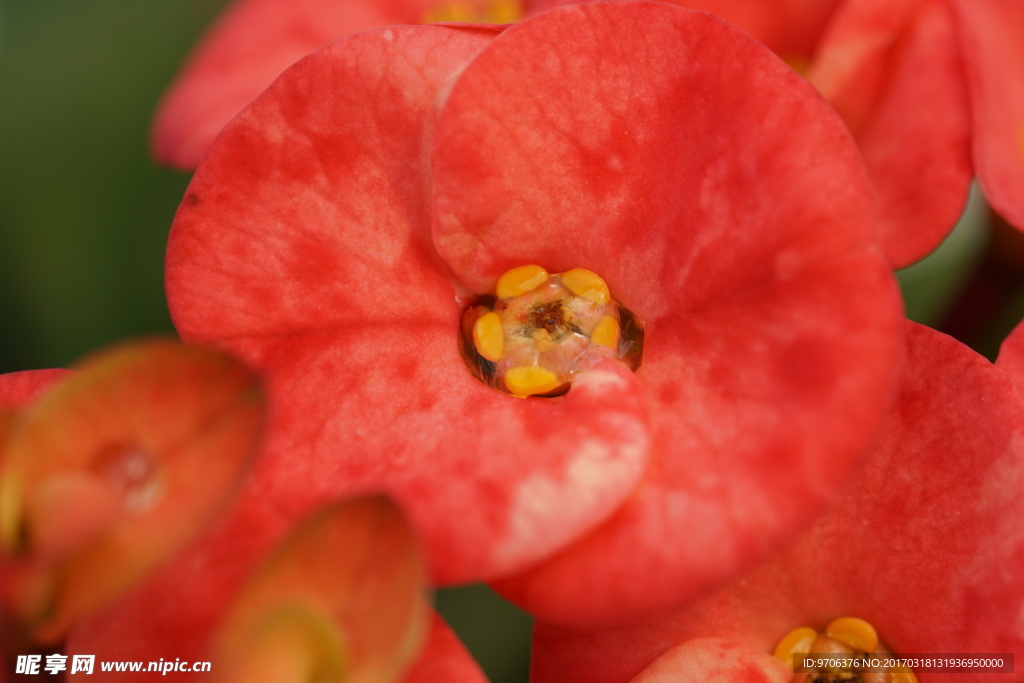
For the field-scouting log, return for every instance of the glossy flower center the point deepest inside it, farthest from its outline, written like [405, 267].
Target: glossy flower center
[470, 12]
[848, 651]
[537, 330]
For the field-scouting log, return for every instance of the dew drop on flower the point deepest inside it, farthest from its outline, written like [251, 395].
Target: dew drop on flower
[538, 330]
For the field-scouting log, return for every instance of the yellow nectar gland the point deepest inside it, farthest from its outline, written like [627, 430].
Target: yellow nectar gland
[840, 654]
[519, 281]
[489, 337]
[474, 12]
[539, 329]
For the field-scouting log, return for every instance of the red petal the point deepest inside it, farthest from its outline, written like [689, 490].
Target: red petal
[670, 213]
[790, 28]
[345, 588]
[311, 212]
[490, 491]
[1011, 357]
[928, 546]
[855, 52]
[444, 658]
[714, 659]
[191, 416]
[514, 480]
[19, 389]
[990, 32]
[251, 44]
[491, 482]
[767, 378]
[754, 435]
[894, 73]
[159, 618]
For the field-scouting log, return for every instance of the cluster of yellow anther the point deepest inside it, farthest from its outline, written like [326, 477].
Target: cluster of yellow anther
[536, 331]
[474, 12]
[846, 637]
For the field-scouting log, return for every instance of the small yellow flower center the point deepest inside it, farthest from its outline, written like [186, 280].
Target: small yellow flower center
[474, 12]
[847, 652]
[538, 330]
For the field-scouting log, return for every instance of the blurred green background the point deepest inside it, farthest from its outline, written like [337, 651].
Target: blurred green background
[84, 215]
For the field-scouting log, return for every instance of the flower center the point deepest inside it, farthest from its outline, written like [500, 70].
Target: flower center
[478, 12]
[847, 652]
[537, 330]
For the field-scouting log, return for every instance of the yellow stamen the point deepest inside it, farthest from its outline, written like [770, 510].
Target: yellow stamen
[853, 632]
[454, 12]
[797, 640]
[504, 12]
[489, 337]
[607, 333]
[835, 653]
[529, 380]
[519, 281]
[467, 11]
[543, 339]
[551, 321]
[587, 284]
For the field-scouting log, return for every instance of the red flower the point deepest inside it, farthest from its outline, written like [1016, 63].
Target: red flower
[345, 587]
[717, 196]
[98, 477]
[354, 568]
[255, 40]
[960, 60]
[341, 598]
[928, 546]
[931, 89]
[107, 472]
